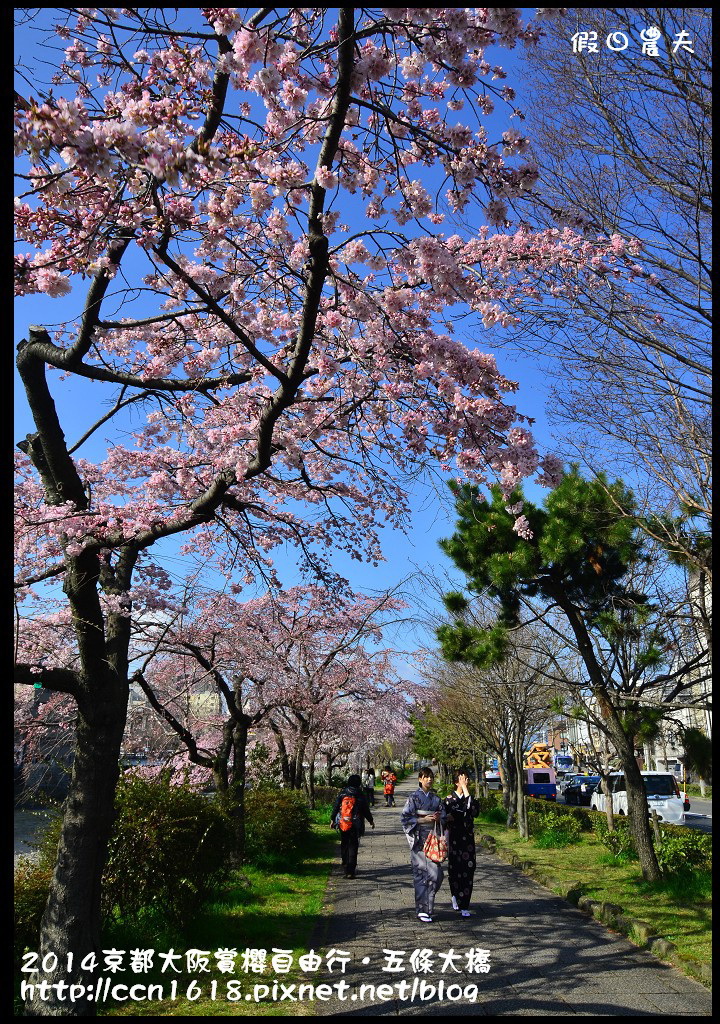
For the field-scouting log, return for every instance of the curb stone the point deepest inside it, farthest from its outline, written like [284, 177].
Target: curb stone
[641, 933]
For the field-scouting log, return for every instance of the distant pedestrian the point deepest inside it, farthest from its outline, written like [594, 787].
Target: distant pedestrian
[349, 814]
[423, 812]
[368, 781]
[460, 810]
[389, 779]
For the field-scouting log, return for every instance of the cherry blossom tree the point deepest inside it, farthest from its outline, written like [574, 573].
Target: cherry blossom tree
[302, 658]
[332, 674]
[274, 367]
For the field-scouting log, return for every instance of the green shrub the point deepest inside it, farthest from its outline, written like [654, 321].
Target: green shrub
[579, 814]
[549, 829]
[494, 815]
[693, 789]
[325, 795]
[32, 883]
[169, 851]
[535, 821]
[620, 842]
[489, 802]
[683, 852]
[276, 821]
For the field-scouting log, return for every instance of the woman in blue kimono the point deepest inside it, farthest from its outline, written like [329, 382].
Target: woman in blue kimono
[422, 813]
[460, 810]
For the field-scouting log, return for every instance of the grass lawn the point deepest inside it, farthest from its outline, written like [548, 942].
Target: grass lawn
[264, 909]
[680, 909]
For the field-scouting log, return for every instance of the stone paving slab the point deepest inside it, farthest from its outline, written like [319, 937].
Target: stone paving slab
[545, 956]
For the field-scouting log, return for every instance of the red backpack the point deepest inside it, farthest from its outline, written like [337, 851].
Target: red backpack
[347, 810]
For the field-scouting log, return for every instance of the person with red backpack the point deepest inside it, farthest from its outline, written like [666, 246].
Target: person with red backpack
[349, 814]
[389, 779]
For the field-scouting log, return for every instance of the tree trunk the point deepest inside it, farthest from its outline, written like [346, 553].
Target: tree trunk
[510, 793]
[609, 813]
[521, 802]
[237, 789]
[283, 754]
[476, 771]
[311, 785]
[220, 781]
[624, 745]
[299, 770]
[638, 817]
[72, 919]
[656, 827]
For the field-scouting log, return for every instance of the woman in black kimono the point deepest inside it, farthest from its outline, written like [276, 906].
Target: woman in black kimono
[460, 810]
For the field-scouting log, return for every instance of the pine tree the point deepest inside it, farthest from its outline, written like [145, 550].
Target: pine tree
[576, 554]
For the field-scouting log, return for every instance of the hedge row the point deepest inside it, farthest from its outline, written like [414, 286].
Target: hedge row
[680, 848]
[170, 851]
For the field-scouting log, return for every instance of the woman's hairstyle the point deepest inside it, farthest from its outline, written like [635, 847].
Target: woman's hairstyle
[426, 773]
[458, 772]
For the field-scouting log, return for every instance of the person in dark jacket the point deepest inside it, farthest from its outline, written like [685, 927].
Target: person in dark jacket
[350, 836]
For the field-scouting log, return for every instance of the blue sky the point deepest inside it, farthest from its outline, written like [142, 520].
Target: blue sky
[432, 514]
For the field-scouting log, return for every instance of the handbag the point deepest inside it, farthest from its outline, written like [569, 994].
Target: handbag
[436, 847]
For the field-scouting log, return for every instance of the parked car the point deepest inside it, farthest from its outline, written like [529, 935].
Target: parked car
[564, 781]
[663, 796]
[580, 789]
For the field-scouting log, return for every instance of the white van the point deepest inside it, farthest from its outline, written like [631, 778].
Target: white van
[663, 796]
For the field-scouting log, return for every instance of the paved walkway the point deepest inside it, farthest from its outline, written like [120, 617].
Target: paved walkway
[546, 957]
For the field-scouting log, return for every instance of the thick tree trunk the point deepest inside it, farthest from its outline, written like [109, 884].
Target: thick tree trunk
[72, 919]
[220, 780]
[638, 817]
[299, 770]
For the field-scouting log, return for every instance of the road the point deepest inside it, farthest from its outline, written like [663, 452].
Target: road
[700, 815]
